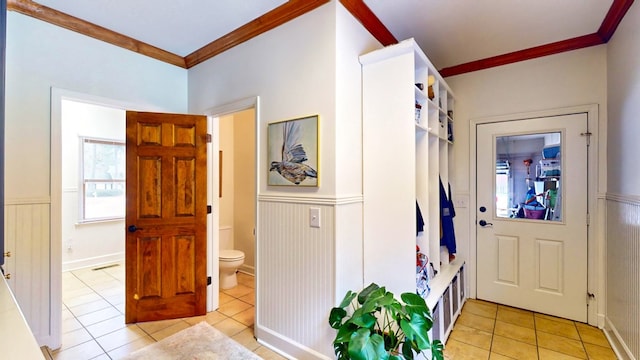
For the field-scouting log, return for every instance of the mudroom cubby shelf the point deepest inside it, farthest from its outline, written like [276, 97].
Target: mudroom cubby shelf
[408, 118]
[446, 298]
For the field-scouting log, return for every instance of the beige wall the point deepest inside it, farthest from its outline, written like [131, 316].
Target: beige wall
[244, 166]
[238, 201]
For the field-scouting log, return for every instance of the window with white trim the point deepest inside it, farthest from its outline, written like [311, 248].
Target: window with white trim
[102, 178]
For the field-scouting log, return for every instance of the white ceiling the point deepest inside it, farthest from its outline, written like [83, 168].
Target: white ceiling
[453, 32]
[450, 32]
[180, 27]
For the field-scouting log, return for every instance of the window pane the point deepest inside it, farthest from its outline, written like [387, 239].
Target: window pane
[103, 160]
[528, 173]
[104, 200]
[103, 175]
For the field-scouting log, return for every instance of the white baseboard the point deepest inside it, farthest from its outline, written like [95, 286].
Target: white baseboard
[285, 346]
[617, 343]
[93, 262]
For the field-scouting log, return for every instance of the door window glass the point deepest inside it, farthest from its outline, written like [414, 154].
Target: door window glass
[528, 176]
[103, 179]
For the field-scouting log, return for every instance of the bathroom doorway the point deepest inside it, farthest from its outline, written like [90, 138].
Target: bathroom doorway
[233, 181]
[234, 217]
[237, 193]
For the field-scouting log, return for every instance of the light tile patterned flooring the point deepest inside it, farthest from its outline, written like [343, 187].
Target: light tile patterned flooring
[489, 331]
[93, 317]
[93, 325]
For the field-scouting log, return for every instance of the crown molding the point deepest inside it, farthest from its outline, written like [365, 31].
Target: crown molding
[294, 8]
[274, 18]
[614, 16]
[55, 17]
[370, 21]
[522, 55]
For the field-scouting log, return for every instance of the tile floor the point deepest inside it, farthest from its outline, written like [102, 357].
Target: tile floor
[93, 325]
[489, 331]
[93, 317]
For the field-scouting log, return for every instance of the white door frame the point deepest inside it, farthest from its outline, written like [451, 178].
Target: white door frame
[213, 221]
[596, 184]
[55, 255]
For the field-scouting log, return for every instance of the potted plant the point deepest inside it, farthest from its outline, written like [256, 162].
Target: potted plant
[373, 324]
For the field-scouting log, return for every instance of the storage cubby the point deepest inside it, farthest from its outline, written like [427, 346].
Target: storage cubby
[408, 118]
[436, 333]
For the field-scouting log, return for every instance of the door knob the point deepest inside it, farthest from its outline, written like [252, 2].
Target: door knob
[7, 276]
[7, 254]
[484, 223]
[133, 228]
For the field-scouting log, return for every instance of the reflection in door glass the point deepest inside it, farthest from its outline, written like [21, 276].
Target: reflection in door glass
[528, 173]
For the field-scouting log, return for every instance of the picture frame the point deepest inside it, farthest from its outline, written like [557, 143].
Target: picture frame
[292, 153]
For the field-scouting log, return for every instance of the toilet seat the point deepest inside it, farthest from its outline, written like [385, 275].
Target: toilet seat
[231, 255]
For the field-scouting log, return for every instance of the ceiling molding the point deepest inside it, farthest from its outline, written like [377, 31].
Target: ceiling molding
[30, 8]
[370, 21]
[616, 12]
[526, 54]
[294, 8]
[611, 21]
[274, 18]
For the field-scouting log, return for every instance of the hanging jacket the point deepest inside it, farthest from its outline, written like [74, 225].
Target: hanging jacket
[447, 213]
[419, 219]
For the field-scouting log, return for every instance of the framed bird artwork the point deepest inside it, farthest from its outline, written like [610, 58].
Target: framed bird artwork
[293, 152]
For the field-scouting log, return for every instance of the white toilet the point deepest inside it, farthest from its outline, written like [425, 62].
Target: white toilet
[230, 260]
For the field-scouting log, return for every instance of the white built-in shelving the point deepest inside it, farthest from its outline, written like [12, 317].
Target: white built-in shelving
[408, 116]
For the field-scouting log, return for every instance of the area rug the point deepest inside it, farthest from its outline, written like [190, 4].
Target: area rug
[201, 342]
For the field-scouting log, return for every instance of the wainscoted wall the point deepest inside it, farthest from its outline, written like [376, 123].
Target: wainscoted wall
[27, 238]
[623, 271]
[297, 282]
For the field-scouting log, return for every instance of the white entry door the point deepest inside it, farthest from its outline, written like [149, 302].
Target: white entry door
[532, 216]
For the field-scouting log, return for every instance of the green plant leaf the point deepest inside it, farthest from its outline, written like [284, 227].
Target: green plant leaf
[364, 294]
[348, 298]
[407, 350]
[341, 350]
[415, 304]
[345, 332]
[335, 317]
[417, 330]
[376, 299]
[436, 350]
[363, 319]
[364, 346]
[375, 295]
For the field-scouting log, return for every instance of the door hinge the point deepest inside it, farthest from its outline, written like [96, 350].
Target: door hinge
[208, 209]
[588, 219]
[590, 296]
[588, 135]
[208, 138]
[208, 280]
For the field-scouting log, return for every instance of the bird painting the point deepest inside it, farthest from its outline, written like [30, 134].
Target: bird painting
[292, 165]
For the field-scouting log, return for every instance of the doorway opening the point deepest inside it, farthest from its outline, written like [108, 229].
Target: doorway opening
[103, 267]
[234, 181]
[88, 203]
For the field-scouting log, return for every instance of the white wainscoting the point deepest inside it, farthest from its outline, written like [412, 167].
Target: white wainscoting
[296, 267]
[27, 238]
[623, 272]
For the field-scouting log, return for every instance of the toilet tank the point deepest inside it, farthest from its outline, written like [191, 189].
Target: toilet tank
[226, 238]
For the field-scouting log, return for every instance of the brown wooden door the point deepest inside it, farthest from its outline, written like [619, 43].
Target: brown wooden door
[166, 216]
